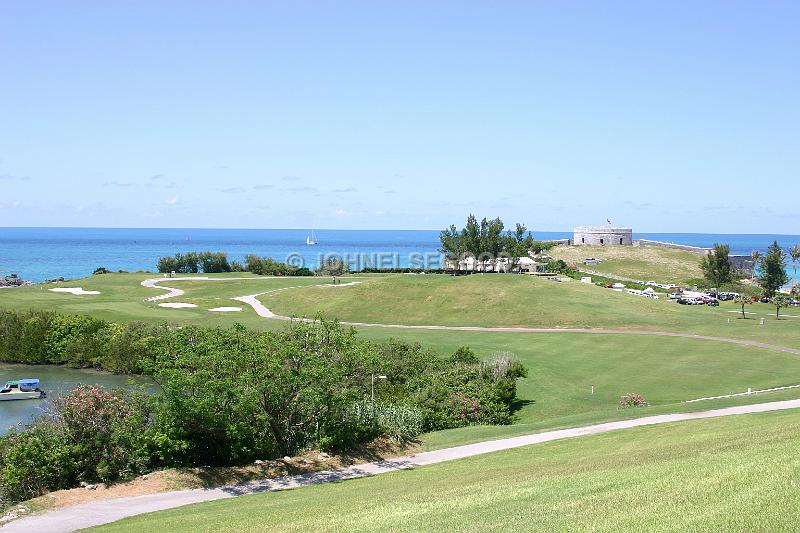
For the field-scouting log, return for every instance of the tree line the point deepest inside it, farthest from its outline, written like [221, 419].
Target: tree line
[486, 242]
[768, 269]
[230, 396]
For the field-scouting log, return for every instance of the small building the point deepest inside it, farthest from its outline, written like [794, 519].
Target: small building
[603, 236]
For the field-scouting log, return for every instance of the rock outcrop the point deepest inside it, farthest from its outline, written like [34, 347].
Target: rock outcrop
[12, 280]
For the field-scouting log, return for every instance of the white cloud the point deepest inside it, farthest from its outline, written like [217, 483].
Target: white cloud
[173, 200]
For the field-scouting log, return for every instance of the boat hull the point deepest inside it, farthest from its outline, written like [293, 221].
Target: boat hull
[19, 395]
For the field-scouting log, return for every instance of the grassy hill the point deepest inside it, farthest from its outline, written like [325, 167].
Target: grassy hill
[732, 474]
[645, 263]
[496, 300]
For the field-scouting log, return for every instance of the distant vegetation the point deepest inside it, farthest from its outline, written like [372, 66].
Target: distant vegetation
[195, 262]
[229, 396]
[266, 266]
[217, 262]
[486, 243]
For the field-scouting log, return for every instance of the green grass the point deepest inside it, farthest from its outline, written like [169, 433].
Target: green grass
[737, 473]
[645, 263]
[562, 367]
[518, 300]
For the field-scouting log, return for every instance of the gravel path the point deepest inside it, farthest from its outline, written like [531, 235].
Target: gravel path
[102, 512]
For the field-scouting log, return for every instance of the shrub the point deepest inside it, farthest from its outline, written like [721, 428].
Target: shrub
[104, 432]
[400, 423]
[33, 462]
[632, 399]
[101, 270]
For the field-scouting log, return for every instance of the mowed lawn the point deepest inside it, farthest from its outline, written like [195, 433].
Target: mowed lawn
[667, 371]
[739, 473]
[645, 263]
[496, 300]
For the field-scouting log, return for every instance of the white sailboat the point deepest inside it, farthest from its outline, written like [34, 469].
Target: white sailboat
[311, 240]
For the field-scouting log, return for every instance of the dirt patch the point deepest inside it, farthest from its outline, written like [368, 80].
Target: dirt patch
[207, 477]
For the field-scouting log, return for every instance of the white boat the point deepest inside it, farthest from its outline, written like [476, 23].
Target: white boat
[23, 389]
[311, 240]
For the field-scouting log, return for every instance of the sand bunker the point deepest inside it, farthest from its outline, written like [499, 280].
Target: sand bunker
[177, 305]
[77, 291]
[226, 309]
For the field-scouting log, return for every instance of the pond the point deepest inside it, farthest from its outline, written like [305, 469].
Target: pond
[55, 381]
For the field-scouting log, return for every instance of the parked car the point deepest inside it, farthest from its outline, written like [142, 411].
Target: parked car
[651, 283]
[674, 296]
[684, 301]
[764, 300]
[713, 303]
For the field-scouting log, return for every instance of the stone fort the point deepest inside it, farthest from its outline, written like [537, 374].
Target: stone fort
[603, 236]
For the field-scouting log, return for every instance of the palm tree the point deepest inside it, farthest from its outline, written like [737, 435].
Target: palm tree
[755, 255]
[795, 254]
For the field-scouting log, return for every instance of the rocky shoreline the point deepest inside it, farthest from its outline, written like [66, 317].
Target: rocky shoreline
[13, 280]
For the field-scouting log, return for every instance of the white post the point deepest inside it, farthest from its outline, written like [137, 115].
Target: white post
[762, 321]
[749, 390]
[592, 389]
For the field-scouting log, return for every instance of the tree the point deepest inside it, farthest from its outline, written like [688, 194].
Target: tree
[795, 254]
[743, 300]
[717, 266]
[491, 241]
[779, 302]
[471, 239]
[517, 244]
[755, 255]
[773, 270]
[452, 246]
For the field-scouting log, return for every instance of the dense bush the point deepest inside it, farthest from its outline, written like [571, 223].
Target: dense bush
[229, 396]
[632, 399]
[195, 262]
[266, 266]
[37, 337]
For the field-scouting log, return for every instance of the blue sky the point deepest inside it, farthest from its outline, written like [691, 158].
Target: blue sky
[666, 116]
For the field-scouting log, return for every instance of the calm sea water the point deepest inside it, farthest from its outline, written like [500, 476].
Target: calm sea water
[43, 253]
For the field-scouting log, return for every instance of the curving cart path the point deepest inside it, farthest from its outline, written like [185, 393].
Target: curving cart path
[105, 511]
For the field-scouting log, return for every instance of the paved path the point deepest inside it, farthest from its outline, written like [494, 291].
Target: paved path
[102, 512]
